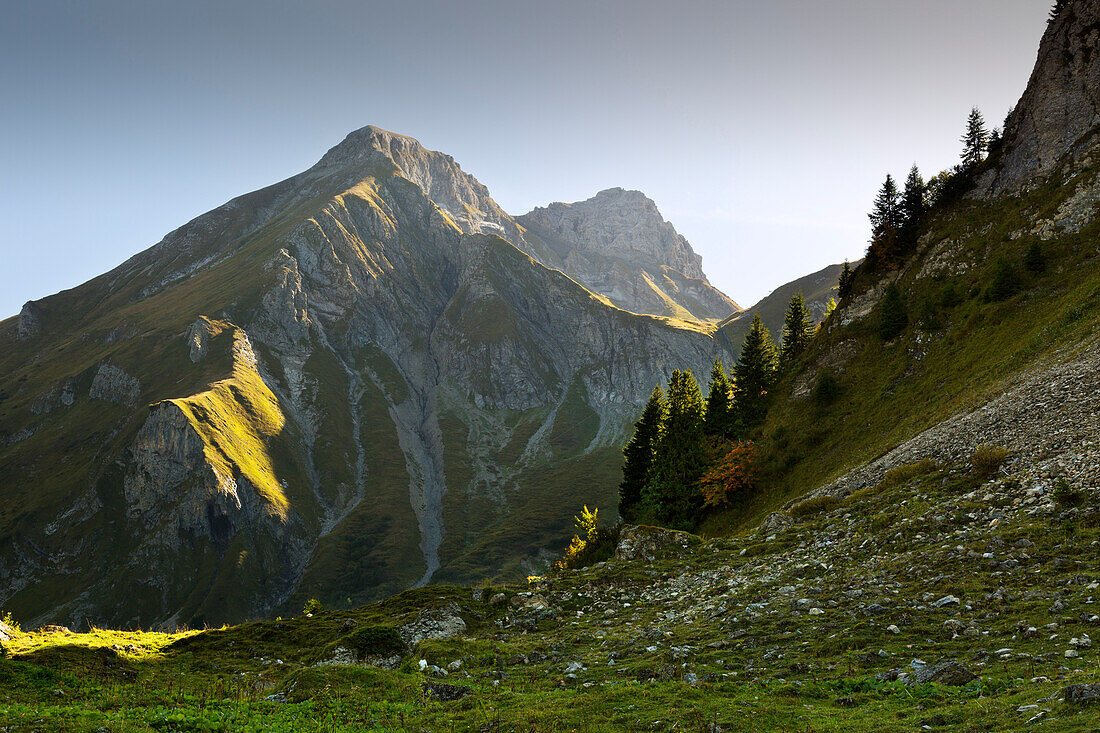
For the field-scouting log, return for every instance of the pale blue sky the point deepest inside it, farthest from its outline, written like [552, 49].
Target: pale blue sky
[761, 129]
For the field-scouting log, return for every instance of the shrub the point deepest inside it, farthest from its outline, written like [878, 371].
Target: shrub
[596, 545]
[892, 316]
[908, 472]
[369, 640]
[814, 505]
[312, 607]
[734, 473]
[1067, 496]
[1005, 282]
[827, 389]
[986, 459]
[8, 619]
[1034, 260]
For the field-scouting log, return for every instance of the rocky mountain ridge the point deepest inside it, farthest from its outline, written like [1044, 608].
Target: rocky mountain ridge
[618, 244]
[356, 381]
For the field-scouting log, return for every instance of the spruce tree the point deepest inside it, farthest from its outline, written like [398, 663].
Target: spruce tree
[754, 374]
[798, 329]
[892, 315]
[719, 416]
[638, 455]
[672, 496]
[844, 283]
[886, 221]
[913, 204]
[975, 140]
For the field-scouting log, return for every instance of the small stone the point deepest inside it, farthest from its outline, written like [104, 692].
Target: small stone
[946, 601]
[444, 692]
[893, 629]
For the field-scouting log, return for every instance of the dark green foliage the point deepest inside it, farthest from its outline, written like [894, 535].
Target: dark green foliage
[887, 219]
[798, 329]
[892, 317]
[974, 140]
[928, 315]
[844, 284]
[596, 549]
[754, 374]
[371, 640]
[671, 496]
[719, 421]
[914, 205]
[1065, 495]
[1034, 260]
[1055, 11]
[638, 455]
[827, 389]
[947, 187]
[996, 140]
[1005, 282]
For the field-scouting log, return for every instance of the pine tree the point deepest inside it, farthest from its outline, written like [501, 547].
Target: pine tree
[886, 221]
[754, 374]
[975, 140]
[719, 416]
[638, 455]
[913, 203]
[672, 496]
[844, 283]
[798, 329]
[892, 315]
[887, 211]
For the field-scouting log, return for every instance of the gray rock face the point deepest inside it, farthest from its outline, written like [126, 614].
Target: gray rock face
[618, 244]
[947, 672]
[1082, 694]
[29, 323]
[436, 623]
[115, 385]
[1060, 111]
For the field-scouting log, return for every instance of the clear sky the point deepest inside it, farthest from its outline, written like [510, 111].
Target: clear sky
[761, 129]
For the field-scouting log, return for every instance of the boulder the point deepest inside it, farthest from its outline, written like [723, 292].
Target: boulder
[1082, 694]
[433, 623]
[945, 672]
[647, 543]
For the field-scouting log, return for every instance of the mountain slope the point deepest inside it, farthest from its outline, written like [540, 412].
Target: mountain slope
[817, 289]
[999, 284]
[337, 386]
[618, 244]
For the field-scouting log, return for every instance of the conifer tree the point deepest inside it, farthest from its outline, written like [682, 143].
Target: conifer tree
[754, 374]
[844, 283]
[913, 204]
[1055, 11]
[798, 329]
[887, 211]
[975, 140]
[719, 417]
[892, 315]
[672, 496]
[886, 221]
[638, 455]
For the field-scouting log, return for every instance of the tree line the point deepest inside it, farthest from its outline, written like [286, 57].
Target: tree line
[690, 453]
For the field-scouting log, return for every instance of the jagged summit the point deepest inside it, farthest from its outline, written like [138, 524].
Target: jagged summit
[1056, 119]
[618, 243]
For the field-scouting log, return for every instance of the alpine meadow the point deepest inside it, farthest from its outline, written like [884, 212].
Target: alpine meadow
[363, 451]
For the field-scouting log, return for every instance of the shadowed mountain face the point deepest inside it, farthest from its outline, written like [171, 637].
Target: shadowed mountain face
[339, 386]
[618, 244]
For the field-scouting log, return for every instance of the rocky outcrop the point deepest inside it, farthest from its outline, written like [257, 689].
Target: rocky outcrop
[1057, 117]
[112, 384]
[618, 244]
[29, 322]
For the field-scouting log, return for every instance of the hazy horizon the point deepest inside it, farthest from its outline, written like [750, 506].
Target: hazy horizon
[762, 131]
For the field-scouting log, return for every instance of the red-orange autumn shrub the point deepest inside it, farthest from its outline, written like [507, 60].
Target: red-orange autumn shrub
[733, 473]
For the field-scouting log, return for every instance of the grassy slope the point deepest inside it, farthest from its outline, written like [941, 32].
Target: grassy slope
[772, 666]
[887, 392]
[819, 286]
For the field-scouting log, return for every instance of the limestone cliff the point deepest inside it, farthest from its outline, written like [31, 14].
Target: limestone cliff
[618, 244]
[362, 378]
